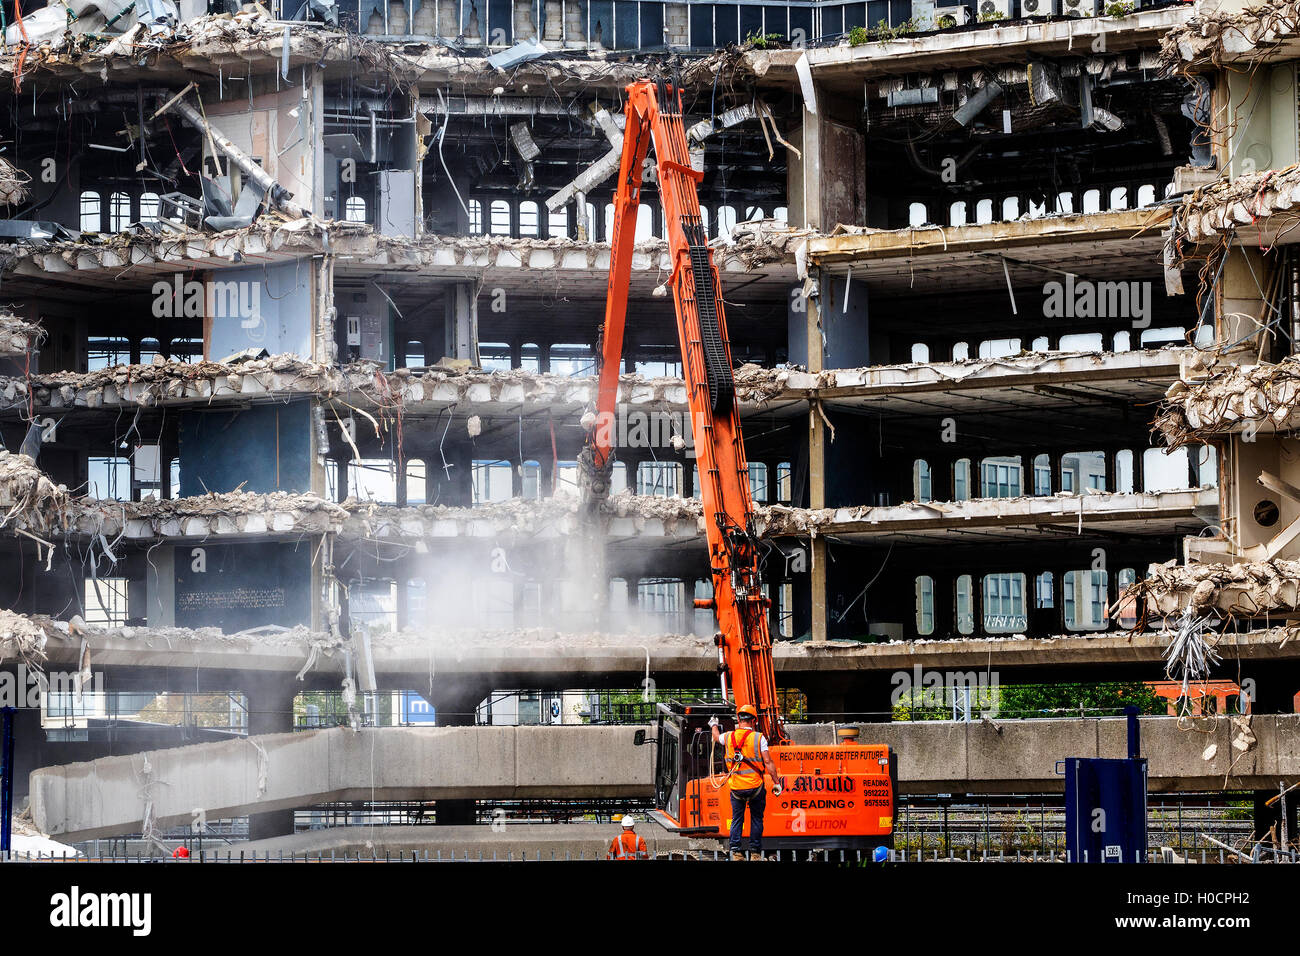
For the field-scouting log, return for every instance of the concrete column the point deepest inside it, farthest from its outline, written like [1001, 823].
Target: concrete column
[462, 322]
[816, 469]
[454, 704]
[270, 711]
[160, 586]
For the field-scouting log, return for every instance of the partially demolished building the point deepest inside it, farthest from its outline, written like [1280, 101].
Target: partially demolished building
[304, 308]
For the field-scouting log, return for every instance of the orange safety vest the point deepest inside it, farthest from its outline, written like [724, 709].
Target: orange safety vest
[744, 760]
[620, 849]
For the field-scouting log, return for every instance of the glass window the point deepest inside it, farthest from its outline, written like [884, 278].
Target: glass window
[961, 479]
[105, 351]
[119, 211]
[1083, 470]
[784, 486]
[1042, 475]
[1000, 478]
[494, 356]
[493, 481]
[758, 481]
[924, 605]
[416, 482]
[150, 206]
[500, 222]
[354, 209]
[965, 613]
[373, 479]
[662, 479]
[475, 217]
[557, 222]
[91, 212]
[148, 349]
[662, 603]
[530, 222]
[921, 480]
[414, 357]
[1165, 470]
[108, 478]
[1044, 590]
[1004, 603]
[1085, 600]
[105, 601]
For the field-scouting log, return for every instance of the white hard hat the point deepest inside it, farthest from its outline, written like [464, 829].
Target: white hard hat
[629, 821]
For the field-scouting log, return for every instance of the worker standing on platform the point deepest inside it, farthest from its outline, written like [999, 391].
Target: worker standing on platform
[628, 845]
[747, 758]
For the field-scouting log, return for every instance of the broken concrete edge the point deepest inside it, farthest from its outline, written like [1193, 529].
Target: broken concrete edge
[1219, 399]
[301, 651]
[1225, 205]
[1220, 591]
[255, 42]
[752, 245]
[848, 244]
[284, 376]
[1253, 34]
[36, 507]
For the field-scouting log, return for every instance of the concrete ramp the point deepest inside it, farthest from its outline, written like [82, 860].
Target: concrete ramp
[113, 795]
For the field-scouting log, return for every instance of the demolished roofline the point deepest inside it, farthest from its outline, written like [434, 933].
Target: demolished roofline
[954, 49]
[1264, 33]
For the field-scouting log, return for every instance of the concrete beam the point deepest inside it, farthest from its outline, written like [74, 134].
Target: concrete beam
[112, 795]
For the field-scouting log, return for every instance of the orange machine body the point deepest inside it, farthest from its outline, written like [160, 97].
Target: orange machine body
[840, 795]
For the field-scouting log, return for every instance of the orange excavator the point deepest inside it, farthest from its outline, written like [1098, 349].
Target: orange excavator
[832, 796]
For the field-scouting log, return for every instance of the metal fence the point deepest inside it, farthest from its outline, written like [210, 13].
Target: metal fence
[833, 857]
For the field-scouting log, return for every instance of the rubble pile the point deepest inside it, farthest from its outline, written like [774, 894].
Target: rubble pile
[17, 336]
[28, 498]
[1223, 590]
[1228, 397]
[23, 637]
[1225, 204]
[13, 184]
[232, 512]
[1213, 38]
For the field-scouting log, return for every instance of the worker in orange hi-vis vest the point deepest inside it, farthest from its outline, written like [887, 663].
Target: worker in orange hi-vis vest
[627, 845]
[747, 759]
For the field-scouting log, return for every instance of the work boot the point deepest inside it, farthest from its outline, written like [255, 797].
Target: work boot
[738, 857]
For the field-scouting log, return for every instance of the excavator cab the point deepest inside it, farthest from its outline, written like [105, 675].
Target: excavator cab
[833, 797]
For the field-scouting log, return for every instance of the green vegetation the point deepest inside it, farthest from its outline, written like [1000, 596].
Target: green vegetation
[988, 16]
[858, 36]
[883, 32]
[761, 41]
[1035, 700]
[1119, 9]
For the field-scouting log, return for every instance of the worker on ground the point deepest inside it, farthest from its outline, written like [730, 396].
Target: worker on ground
[628, 845]
[747, 758]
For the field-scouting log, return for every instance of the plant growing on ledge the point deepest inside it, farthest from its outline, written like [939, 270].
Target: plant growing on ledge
[859, 36]
[883, 32]
[761, 41]
[1119, 9]
[989, 16]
